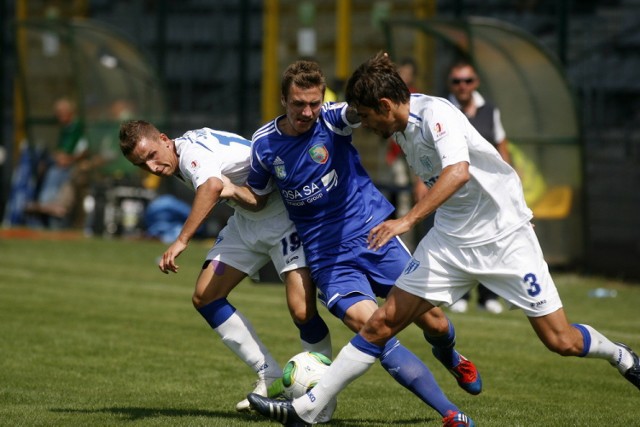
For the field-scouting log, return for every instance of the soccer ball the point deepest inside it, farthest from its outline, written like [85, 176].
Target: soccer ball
[302, 372]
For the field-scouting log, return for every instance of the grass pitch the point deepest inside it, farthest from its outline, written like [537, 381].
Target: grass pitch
[91, 333]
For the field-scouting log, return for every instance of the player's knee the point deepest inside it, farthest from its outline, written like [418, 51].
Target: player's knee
[380, 325]
[199, 300]
[196, 300]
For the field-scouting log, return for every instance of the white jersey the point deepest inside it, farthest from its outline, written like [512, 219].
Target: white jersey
[491, 204]
[205, 153]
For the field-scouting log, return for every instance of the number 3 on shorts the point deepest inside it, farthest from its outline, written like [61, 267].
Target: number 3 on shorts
[531, 280]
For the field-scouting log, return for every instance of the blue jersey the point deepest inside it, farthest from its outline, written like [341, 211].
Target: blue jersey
[329, 195]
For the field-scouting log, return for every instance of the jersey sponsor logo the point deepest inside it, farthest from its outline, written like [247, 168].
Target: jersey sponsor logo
[411, 266]
[319, 153]
[279, 169]
[311, 192]
[439, 131]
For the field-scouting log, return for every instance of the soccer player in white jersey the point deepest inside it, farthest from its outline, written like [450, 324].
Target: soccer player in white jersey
[308, 154]
[482, 233]
[202, 158]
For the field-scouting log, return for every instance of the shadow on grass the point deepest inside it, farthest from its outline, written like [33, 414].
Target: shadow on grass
[136, 413]
[336, 422]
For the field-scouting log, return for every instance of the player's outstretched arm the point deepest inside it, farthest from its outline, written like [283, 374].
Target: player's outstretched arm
[207, 195]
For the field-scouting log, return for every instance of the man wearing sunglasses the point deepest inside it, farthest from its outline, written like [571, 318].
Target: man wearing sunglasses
[463, 85]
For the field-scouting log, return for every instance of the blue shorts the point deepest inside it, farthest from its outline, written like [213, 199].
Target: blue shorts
[349, 272]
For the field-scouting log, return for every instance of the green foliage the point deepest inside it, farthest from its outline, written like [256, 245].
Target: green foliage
[93, 334]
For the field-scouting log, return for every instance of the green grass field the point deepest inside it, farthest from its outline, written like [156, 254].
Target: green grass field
[92, 334]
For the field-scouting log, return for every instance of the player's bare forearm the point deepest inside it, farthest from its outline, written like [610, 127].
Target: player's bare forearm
[451, 180]
[244, 196]
[207, 195]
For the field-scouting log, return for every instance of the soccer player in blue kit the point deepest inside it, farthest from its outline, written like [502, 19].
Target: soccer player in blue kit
[332, 201]
[203, 158]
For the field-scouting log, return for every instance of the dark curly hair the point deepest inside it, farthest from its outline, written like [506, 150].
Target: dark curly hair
[373, 80]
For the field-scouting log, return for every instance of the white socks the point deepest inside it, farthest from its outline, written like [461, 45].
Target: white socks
[238, 334]
[348, 365]
[603, 348]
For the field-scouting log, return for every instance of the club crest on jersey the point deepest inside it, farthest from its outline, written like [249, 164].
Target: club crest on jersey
[426, 162]
[439, 131]
[319, 153]
[194, 164]
[411, 266]
[278, 167]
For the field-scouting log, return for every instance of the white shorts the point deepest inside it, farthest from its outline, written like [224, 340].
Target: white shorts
[248, 244]
[513, 267]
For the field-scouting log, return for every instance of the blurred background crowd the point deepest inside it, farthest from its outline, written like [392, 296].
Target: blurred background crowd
[562, 73]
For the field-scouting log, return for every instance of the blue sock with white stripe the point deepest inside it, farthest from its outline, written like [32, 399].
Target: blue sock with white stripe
[408, 370]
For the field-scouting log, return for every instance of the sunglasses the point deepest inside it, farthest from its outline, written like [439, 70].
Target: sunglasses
[468, 81]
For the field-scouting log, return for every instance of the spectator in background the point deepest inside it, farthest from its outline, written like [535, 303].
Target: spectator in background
[57, 196]
[463, 82]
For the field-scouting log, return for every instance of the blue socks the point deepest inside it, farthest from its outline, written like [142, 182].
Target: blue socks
[409, 371]
[443, 347]
[217, 312]
[314, 330]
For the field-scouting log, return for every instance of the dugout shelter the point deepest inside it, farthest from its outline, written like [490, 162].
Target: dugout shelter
[107, 78]
[93, 65]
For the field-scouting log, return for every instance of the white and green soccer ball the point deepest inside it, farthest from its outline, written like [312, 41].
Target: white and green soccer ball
[302, 372]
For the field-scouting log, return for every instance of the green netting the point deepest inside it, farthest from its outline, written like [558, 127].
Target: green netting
[92, 64]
